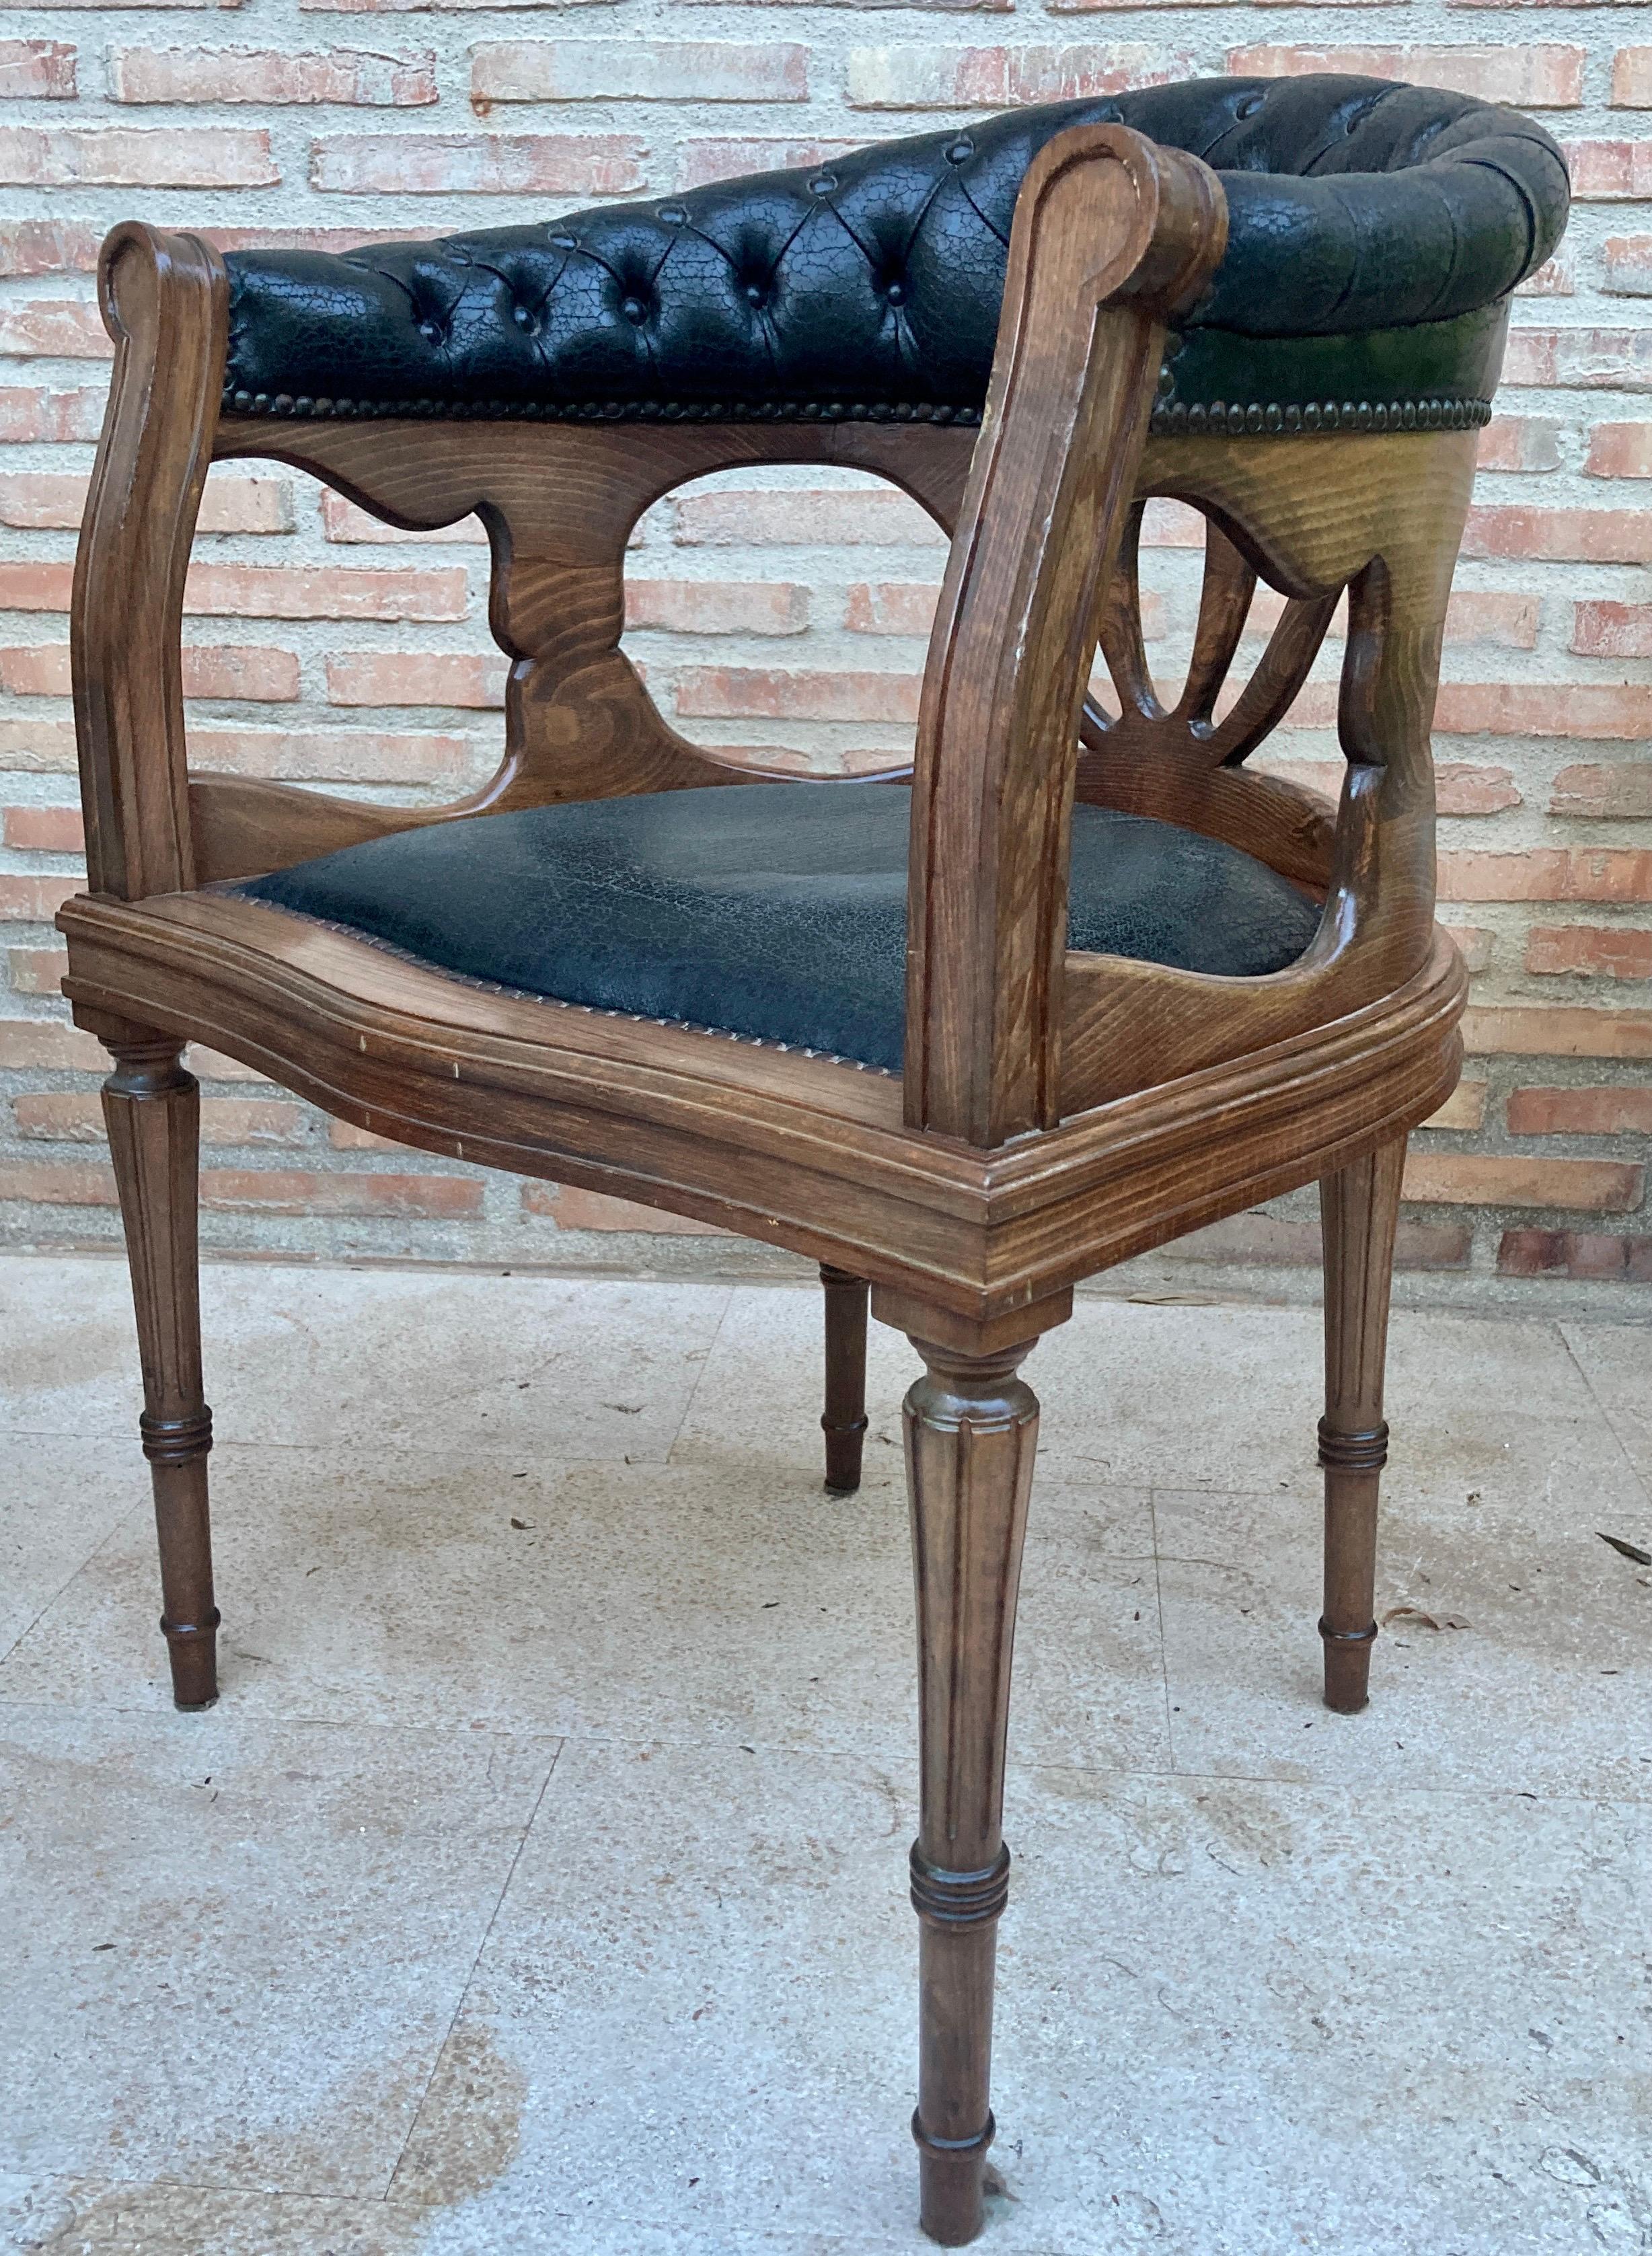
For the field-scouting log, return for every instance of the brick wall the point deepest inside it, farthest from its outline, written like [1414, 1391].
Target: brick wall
[789, 611]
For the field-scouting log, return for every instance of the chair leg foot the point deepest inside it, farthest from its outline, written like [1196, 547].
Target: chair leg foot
[153, 1109]
[1360, 1211]
[971, 1428]
[844, 1421]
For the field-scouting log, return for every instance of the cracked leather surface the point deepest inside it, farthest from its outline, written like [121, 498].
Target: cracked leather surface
[873, 283]
[774, 910]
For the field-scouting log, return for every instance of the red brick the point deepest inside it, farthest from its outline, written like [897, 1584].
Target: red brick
[1480, 1179]
[345, 1136]
[1549, 873]
[36, 970]
[1555, 277]
[1610, 171]
[1537, 77]
[27, 414]
[254, 672]
[1001, 78]
[343, 521]
[1465, 1108]
[728, 158]
[53, 328]
[56, 1183]
[136, 157]
[1625, 266]
[293, 1191]
[1580, 536]
[63, 6]
[38, 745]
[1473, 943]
[1553, 1030]
[633, 69]
[1580, 360]
[739, 693]
[805, 519]
[49, 1045]
[1273, 1242]
[890, 607]
[1540, 709]
[1520, 442]
[44, 829]
[329, 756]
[717, 607]
[271, 78]
[571, 1208]
[407, 7]
[1461, 787]
[1606, 628]
[280, 591]
[1505, 621]
[29, 247]
[36, 70]
[1608, 793]
[35, 587]
[1596, 951]
[1575, 1253]
[47, 499]
[1620, 450]
[73, 1117]
[33, 900]
[478, 164]
[362, 677]
[1580, 1112]
[213, 1065]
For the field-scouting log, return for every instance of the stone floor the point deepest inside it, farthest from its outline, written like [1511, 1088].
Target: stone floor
[538, 1884]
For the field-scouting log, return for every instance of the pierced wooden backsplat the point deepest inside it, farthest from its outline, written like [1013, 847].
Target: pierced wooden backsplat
[559, 502]
[1382, 518]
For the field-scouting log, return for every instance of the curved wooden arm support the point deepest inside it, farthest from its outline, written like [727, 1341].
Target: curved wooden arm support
[1111, 234]
[164, 300]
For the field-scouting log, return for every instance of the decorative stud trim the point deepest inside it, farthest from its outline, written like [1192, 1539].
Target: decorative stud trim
[1220, 419]
[1171, 419]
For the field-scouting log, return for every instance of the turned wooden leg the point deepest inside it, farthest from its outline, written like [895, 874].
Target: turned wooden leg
[970, 1429]
[844, 1422]
[1358, 1208]
[154, 1110]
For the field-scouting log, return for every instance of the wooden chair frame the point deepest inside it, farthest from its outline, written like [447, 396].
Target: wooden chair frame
[1058, 1112]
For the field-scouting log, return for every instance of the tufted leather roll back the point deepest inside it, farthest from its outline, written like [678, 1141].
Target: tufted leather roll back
[873, 284]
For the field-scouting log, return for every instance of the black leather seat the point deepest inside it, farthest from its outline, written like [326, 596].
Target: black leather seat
[777, 912]
[1375, 233]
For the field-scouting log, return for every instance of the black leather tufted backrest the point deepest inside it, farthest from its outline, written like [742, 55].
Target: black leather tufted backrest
[1354, 205]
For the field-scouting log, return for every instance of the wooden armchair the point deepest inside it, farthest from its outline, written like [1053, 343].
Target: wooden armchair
[1043, 1084]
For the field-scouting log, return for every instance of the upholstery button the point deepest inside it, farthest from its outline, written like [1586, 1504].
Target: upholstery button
[754, 293]
[961, 151]
[633, 309]
[673, 214]
[564, 243]
[430, 331]
[896, 293]
[521, 316]
[1249, 107]
[823, 184]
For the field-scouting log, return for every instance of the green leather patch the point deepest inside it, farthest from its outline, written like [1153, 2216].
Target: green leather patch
[1432, 376]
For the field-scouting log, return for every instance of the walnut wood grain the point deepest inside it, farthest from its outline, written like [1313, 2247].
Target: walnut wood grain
[152, 1111]
[843, 1421]
[1110, 234]
[1059, 1112]
[971, 1430]
[1360, 1207]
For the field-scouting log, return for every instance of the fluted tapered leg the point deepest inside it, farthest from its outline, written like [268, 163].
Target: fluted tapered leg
[972, 1428]
[844, 1421]
[154, 1110]
[1359, 1211]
